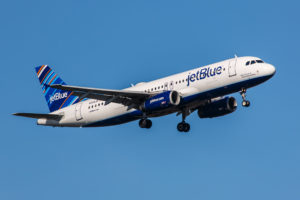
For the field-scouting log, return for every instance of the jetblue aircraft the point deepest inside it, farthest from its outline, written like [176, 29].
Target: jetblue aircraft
[203, 89]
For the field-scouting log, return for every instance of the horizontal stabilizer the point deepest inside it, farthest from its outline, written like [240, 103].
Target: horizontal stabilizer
[39, 116]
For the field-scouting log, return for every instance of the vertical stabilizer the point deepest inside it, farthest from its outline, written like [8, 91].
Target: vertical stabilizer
[55, 98]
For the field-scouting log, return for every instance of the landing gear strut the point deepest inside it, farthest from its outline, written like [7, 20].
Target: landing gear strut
[183, 126]
[245, 102]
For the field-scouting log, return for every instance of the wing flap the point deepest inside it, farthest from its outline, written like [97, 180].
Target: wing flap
[39, 116]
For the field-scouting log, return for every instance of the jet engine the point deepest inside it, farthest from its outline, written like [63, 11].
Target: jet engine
[217, 108]
[162, 101]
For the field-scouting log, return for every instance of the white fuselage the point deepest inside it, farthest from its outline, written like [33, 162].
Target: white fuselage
[194, 86]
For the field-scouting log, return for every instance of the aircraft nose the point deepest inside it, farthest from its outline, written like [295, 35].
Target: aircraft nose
[271, 69]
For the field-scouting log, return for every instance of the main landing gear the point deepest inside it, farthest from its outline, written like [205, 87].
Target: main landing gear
[183, 126]
[245, 103]
[144, 122]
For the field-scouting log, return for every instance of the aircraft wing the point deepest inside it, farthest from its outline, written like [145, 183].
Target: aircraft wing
[125, 97]
[39, 116]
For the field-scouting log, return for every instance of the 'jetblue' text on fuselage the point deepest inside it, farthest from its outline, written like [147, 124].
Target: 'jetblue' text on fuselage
[204, 73]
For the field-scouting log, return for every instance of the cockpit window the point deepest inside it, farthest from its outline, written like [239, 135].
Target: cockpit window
[253, 62]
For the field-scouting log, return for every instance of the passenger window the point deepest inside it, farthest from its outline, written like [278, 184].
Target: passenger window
[247, 63]
[253, 62]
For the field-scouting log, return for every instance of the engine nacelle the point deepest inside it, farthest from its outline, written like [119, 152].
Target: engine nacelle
[162, 101]
[218, 108]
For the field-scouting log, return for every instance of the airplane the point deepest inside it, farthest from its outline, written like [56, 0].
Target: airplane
[202, 89]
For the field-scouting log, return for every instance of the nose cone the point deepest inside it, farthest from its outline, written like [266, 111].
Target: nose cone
[270, 70]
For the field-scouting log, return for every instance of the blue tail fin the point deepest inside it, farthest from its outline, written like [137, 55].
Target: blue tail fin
[56, 99]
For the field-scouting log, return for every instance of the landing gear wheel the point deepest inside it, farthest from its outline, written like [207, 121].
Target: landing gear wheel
[148, 123]
[246, 103]
[183, 127]
[142, 123]
[180, 127]
[145, 123]
[187, 127]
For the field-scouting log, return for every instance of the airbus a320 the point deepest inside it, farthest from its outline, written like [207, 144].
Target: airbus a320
[203, 89]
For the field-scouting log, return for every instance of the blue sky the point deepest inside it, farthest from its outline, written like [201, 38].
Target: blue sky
[250, 154]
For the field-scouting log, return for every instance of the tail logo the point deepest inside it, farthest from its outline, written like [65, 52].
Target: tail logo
[55, 98]
[58, 96]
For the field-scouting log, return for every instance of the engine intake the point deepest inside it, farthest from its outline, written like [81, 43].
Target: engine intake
[218, 108]
[162, 101]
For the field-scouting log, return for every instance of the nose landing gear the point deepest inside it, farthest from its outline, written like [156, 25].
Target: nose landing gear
[245, 103]
[183, 126]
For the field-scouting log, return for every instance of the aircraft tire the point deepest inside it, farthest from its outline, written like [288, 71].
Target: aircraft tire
[183, 127]
[186, 127]
[148, 123]
[142, 123]
[145, 123]
[180, 127]
[246, 103]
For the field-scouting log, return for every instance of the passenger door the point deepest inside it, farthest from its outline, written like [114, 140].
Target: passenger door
[232, 68]
[78, 114]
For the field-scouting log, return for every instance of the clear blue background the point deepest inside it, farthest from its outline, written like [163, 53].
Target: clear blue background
[250, 154]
